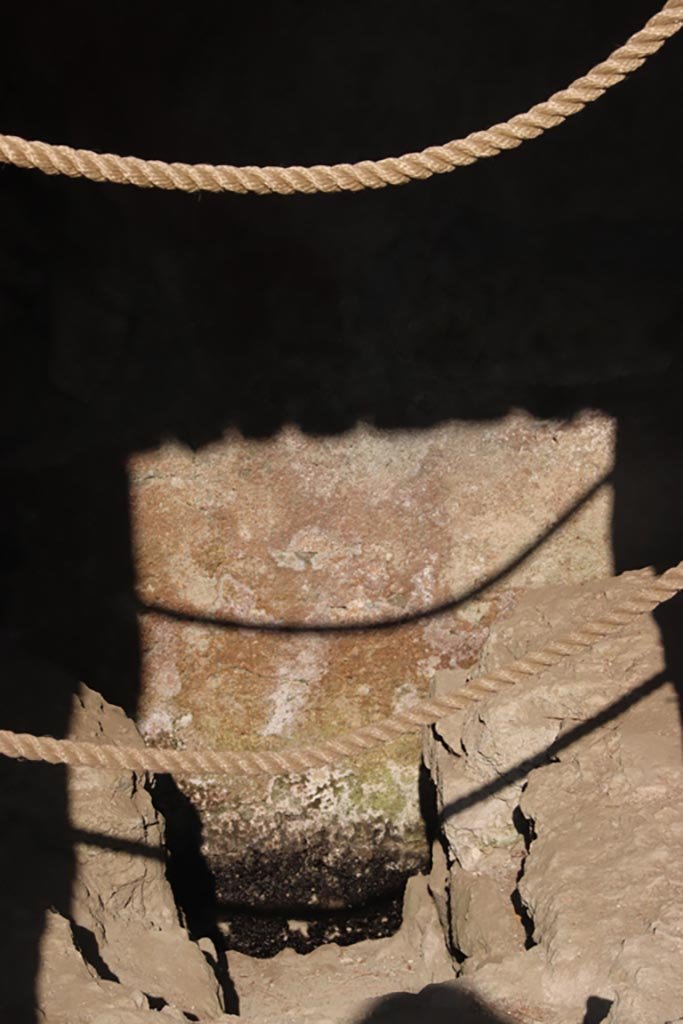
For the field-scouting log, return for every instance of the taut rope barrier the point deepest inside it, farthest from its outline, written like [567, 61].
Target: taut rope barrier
[640, 600]
[131, 170]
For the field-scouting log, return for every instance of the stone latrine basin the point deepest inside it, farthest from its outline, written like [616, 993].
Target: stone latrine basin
[293, 588]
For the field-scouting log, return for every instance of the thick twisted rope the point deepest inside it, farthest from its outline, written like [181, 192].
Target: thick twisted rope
[640, 599]
[130, 170]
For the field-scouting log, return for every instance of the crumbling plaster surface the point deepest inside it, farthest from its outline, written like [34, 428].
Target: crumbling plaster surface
[565, 885]
[117, 947]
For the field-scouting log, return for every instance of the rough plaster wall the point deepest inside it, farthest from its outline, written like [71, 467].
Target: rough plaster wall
[585, 848]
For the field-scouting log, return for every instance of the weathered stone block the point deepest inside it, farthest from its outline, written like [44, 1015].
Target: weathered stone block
[301, 586]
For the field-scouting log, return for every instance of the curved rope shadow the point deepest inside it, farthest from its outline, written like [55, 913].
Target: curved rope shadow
[359, 626]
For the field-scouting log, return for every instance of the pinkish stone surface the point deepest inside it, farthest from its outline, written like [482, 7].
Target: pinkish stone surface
[317, 534]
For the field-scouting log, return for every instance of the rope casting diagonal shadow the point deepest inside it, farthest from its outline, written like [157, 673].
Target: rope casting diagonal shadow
[577, 732]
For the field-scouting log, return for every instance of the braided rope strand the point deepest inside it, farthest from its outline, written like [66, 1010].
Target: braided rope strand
[639, 599]
[366, 174]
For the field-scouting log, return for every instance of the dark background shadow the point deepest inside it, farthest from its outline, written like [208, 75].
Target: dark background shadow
[438, 1004]
[549, 278]
[448, 1004]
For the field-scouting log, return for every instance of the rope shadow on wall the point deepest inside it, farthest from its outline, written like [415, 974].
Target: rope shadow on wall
[442, 608]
